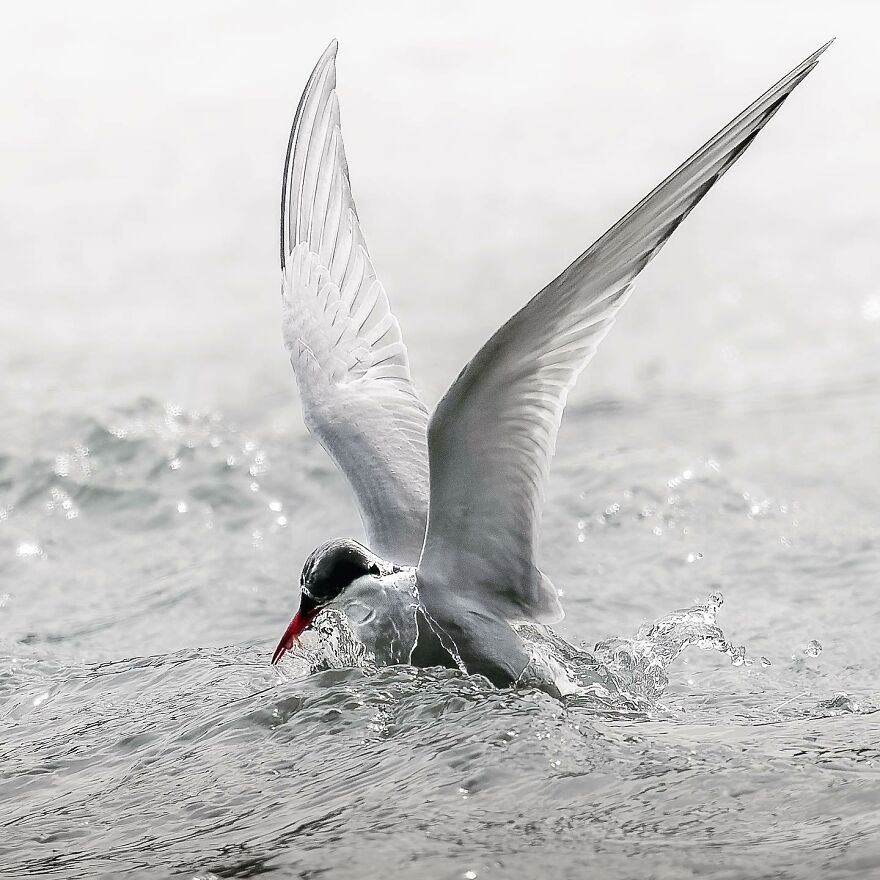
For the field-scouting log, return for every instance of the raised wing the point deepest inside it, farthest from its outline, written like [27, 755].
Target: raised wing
[492, 436]
[345, 344]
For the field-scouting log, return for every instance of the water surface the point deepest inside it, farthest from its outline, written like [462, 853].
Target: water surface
[158, 493]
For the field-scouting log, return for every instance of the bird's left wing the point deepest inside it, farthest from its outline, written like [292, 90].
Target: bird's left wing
[492, 436]
[345, 345]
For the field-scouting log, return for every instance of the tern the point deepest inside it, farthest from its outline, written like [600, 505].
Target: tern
[450, 503]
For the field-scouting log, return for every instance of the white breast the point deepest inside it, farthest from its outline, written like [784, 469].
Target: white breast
[382, 614]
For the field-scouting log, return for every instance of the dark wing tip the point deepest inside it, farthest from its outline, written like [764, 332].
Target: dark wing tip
[811, 60]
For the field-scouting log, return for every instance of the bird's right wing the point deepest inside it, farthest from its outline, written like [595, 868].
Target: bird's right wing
[345, 345]
[492, 436]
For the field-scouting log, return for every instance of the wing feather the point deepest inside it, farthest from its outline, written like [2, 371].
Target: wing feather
[493, 435]
[345, 344]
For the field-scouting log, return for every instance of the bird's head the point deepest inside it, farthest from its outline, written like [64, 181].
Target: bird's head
[326, 574]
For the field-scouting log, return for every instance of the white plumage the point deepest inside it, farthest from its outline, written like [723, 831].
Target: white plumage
[345, 345]
[492, 437]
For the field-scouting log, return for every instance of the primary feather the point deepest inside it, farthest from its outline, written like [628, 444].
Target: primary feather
[345, 344]
[493, 435]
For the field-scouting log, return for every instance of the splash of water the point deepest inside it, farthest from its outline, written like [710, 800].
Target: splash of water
[642, 662]
[624, 675]
[330, 643]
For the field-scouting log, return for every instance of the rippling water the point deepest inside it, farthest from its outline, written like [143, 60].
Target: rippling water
[158, 493]
[130, 747]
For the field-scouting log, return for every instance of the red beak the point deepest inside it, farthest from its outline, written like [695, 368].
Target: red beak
[301, 622]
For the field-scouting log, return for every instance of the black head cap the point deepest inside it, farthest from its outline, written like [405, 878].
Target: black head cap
[333, 566]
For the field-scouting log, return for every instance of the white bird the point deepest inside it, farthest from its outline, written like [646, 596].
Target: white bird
[451, 505]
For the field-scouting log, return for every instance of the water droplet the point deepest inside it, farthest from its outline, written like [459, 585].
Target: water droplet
[39, 700]
[60, 499]
[282, 520]
[230, 461]
[275, 506]
[182, 507]
[581, 538]
[174, 464]
[470, 875]
[693, 557]
[737, 655]
[813, 649]
[27, 550]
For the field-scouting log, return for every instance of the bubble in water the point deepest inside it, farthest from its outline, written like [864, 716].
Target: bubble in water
[813, 649]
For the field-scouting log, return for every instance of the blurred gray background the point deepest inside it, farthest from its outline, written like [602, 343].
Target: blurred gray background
[489, 144]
